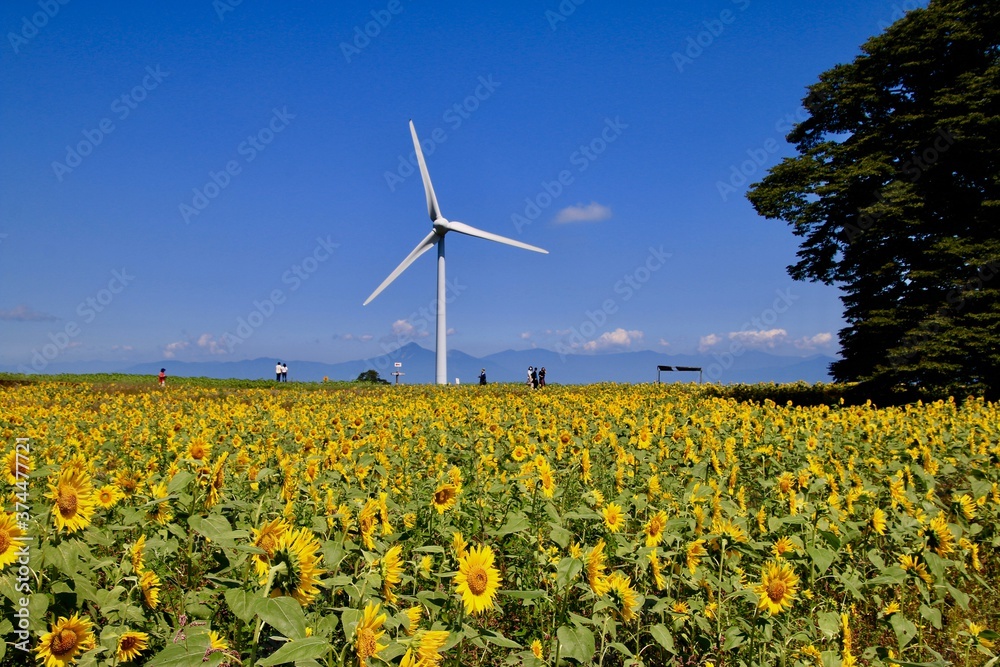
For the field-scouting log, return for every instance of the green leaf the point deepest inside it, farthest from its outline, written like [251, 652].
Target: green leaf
[621, 648]
[523, 595]
[567, 570]
[285, 615]
[515, 524]
[576, 643]
[829, 623]
[663, 637]
[188, 653]
[307, 648]
[243, 604]
[932, 615]
[904, 628]
[180, 481]
[499, 639]
[823, 558]
[961, 597]
[560, 535]
[734, 639]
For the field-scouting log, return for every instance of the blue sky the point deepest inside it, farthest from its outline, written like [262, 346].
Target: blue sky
[228, 180]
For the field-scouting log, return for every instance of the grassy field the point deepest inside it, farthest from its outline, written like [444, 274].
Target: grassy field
[246, 522]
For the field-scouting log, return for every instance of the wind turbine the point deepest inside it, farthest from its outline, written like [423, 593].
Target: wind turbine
[441, 226]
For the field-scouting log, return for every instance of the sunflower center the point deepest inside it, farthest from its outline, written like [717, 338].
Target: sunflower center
[365, 645]
[62, 643]
[4, 541]
[776, 590]
[67, 502]
[478, 580]
[442, 496]
[128, 643]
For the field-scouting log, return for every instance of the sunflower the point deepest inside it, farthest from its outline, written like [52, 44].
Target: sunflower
[913, 564]
[149, 582]
[444, 498]
[681, 608]
[783, 546]
[137, 553]
[266, 539]
[130, 645]
[74, 500]
[585, 465]
[548, 480]
[199, 449]
[625, 599]
[17, 466]
[127, 481]
[429, 644]
[777, 587]
[695, 552]
[216, 480]
[367, 634]
[613, 517]
[161, 513]
[392, 572]
[519, 453]
[595, 569]
[217, 642]
[878, 521]
[66, 638]
[108, 496]
[654, 528]
[367, 521]
[10, 533]
[939, 537]
[459, 544]
[659, 581]
[477, 580]
[297, 566]
[413, 615]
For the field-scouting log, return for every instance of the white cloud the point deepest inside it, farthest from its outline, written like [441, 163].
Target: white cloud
[366, 337]
[812, 342]
[122, 348]
[664, 342]
[592, 212]
[525, 335]
[759, 339]
[23, 313]
[209, 343]
[404, 329]
[614, 339]
[171, 350]
[450, 331]
[709, 341]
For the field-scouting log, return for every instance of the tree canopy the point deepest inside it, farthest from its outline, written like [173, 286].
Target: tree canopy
[895, 192]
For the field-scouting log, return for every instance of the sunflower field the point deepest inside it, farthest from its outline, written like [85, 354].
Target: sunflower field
[420, 526]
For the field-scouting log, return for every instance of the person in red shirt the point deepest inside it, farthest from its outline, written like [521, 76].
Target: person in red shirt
[163, 376]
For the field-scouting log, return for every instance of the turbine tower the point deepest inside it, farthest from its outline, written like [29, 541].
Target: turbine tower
[441, 226]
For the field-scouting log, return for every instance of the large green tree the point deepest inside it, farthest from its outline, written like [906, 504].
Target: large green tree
[895, 191]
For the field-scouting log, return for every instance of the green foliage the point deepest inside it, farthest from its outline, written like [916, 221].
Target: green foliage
[895, 192]
[371, 375]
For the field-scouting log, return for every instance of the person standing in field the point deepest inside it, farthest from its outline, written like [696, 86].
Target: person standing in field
[534, 378]
[541, 377]
[530, 369]
[284, 372]
[162, 377]
[277, 372]
[482, 376]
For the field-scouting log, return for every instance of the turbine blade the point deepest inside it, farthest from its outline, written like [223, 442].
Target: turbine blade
[432, 202]
[463, 228]
[423, 247]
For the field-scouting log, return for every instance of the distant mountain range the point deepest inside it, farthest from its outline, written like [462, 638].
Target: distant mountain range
[509, 366]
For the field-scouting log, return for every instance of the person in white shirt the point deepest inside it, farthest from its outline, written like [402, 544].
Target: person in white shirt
[277, 372]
